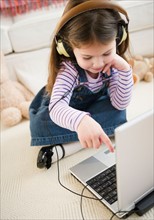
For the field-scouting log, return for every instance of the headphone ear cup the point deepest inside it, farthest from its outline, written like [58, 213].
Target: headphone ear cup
[122, 33]
[61, 48]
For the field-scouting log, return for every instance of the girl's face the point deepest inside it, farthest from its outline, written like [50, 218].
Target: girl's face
[94, 57]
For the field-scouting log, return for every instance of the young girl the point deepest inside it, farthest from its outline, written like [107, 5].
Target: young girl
[90, 82]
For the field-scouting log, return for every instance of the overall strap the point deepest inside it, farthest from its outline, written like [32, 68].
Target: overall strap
[81, 72]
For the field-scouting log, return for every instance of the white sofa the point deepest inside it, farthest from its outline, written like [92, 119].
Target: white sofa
[30, 193]
[25, 39]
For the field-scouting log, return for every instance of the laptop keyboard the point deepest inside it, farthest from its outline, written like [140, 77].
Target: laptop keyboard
[105, 184]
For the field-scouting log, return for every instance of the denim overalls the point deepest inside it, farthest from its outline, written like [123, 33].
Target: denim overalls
[45, 132]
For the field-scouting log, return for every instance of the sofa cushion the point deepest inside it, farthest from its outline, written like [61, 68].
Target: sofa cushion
[140, 26]
[6, 45]
[34, 32]
[141, 42]
[30, 68]
[140, 14]
[5, 23]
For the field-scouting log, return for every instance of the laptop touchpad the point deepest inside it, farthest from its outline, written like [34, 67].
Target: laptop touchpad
[88, 168]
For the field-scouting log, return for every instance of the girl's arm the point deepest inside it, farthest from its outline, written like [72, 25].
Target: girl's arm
[89, 132]
[121, 84]
[60, 111]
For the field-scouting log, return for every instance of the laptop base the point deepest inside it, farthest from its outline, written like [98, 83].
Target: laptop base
[145, 204]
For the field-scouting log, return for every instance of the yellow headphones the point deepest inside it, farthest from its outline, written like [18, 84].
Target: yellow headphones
[83, 7]
[124, 35]
[61, 49]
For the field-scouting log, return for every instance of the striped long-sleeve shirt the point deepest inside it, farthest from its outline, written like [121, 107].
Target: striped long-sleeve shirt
[120, 90]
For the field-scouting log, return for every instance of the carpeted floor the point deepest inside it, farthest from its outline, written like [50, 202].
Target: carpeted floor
[29, 193]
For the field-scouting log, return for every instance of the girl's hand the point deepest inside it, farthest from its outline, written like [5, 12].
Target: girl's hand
[118, 63]
[91, 134]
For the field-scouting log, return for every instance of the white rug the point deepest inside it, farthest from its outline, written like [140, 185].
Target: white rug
[28, 193]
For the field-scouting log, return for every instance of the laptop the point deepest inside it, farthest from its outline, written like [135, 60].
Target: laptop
[123, 178]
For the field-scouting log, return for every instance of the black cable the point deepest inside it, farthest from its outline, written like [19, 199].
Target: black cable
[59, 180]
[58, 167]
[81, 195]
[81, 208]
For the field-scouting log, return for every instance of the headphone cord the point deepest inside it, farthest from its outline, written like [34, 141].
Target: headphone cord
[58, 166]
[85, 187]
[59, 180]
[81, 195]
[81, 206]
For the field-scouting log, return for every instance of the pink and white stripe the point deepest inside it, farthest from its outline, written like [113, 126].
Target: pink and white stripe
[120, 91]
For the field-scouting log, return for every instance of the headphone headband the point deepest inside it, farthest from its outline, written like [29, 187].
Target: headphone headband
[88, 6]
